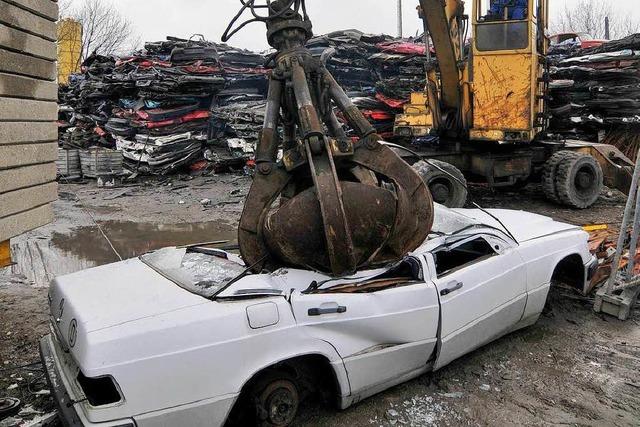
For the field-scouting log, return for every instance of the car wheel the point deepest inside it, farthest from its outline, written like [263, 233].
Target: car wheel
[550, 172]
[276, 400]
[447, 184]
[579, 181]
[9, 407]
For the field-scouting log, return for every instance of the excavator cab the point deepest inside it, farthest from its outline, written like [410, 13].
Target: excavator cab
[507, 69]
[492, 90]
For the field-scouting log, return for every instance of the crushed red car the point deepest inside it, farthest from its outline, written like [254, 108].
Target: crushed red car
[586, 40]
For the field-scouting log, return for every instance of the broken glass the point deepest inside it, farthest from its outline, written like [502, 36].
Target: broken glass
[201, 274]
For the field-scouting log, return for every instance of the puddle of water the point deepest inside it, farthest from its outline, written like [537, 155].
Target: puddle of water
[41, 259]
[131, 239]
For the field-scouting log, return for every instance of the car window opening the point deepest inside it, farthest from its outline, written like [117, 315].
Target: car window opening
[451, 259]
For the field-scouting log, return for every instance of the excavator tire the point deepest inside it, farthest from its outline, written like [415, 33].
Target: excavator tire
[579, 181]
[549, 174]
[447, 184]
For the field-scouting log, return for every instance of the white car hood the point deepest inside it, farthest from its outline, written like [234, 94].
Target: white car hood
[111, 295]
[523, 225]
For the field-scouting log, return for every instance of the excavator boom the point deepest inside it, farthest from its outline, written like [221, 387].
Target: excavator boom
[443, 23]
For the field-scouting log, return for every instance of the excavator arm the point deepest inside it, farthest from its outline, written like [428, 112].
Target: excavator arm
[445, 104]
[444, 21]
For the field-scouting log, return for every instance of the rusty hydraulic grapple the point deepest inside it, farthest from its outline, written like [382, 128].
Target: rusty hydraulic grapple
[331, 203]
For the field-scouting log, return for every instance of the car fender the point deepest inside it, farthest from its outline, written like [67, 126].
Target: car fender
[216, 410]
[542, 255]
[308, 347]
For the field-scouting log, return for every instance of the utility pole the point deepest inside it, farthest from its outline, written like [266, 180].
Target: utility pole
[607, 28]
[400, 18]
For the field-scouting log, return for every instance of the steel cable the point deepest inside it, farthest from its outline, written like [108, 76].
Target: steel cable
[272, 13]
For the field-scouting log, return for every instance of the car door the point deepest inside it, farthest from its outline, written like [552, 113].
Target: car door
[481, 281]
[381, 335]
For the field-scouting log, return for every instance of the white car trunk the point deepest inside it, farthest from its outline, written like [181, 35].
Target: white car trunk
[112, 295]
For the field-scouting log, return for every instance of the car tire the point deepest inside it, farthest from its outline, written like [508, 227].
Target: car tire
[276, 399]
[579, 181]
[9, 407]
[446, 183]
[550, 172]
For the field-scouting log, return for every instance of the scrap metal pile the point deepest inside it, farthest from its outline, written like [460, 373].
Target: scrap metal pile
[596, 92]
[86, 104]
[193, 103]
[377, 71]
[158, 106]
[602, 243]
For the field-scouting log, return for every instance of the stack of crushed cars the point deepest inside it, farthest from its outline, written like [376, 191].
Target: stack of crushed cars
[192, 104]
[157, 106]
[596, 92]
[163, 125]
[86, 103]
[377, 71]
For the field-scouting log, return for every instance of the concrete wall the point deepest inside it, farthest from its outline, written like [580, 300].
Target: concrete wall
[28, 114]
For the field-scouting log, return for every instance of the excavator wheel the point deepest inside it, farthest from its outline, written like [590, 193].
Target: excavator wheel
[447, 184]
[579, 181]
[550, 172]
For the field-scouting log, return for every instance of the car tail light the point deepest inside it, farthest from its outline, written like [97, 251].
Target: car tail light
[99, 391]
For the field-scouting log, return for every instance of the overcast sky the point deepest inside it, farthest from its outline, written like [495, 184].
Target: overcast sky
[153, 20]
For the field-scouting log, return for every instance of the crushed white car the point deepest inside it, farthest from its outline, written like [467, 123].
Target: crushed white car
[172, 339]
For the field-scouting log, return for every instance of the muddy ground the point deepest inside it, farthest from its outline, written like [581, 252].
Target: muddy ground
[571, 368]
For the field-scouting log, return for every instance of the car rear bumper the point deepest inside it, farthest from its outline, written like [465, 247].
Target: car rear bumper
[67, 411]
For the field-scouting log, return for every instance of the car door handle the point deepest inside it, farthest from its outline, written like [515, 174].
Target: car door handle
[329, 310]
[451, 287]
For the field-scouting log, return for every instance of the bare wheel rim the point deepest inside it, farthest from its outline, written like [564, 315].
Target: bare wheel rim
[280, 401]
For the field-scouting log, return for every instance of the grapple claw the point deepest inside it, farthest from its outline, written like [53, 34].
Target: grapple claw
[331, 204]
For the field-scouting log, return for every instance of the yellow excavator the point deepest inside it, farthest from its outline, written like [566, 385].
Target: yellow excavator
[486, 100]
[338, 204]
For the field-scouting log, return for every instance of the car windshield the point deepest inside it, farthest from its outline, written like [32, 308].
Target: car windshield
[201, 273]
